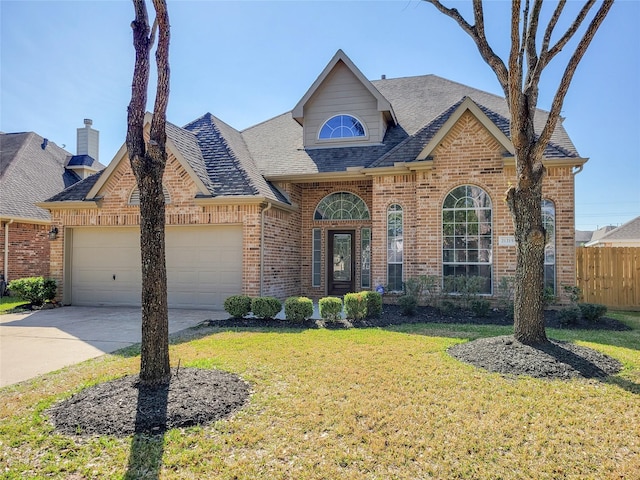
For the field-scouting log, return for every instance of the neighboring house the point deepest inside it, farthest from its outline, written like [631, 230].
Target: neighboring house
[626, 235]
[31, 170]
[585, 236]
[363, 184]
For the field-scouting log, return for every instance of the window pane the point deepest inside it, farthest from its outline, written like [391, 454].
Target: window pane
[342, 126]
[317, 259]
[394, 247]
[365, 253]
[341, 206]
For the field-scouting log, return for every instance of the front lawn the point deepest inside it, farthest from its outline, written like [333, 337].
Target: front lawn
[352, 404]
[9, 303]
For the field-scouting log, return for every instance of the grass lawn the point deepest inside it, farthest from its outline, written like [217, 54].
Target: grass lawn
[352, 404]
[9, 303]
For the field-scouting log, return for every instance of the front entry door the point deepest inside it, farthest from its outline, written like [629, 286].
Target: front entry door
[341, 257]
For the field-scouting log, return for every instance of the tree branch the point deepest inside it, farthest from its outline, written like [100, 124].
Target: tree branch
[572, 65]
[159, 120]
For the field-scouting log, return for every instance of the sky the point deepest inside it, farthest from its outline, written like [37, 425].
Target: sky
[248, 61]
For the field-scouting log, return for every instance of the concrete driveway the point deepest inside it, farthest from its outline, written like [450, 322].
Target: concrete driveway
[35, 343]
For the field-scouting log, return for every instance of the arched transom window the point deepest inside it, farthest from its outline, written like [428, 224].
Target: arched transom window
[342, 126]
[342, 206]
[466, 240]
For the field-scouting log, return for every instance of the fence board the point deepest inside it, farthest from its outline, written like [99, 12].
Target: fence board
[610, 276]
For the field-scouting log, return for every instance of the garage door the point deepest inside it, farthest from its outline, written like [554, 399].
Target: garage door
[204, 266]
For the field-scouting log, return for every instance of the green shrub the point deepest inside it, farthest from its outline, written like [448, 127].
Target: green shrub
[592, 312]
[569, 315]
[298, 309]
[330, 308]
[355, 305]
[408, 304]
[447, 307]
[266, 307]
[374, 303]
[36, 290]
[424, 288]
[573, 293]
[238, 305]
[480, 307]
[548, 297]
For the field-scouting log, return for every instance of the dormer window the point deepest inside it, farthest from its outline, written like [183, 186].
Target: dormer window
[342, 126]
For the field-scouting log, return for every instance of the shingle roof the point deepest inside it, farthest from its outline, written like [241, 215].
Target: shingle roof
[30, 173]
[627, 231]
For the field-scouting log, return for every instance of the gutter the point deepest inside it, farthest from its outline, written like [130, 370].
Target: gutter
[264, 210]
[6, 250]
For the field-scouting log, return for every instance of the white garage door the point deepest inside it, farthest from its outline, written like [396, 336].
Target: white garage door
[204, 266]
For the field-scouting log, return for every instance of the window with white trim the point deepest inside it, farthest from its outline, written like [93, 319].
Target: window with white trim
[316, 266]
[549, 224]
[466, 238]
[342, 126]
[341, 206]
[394, 248]
[365, 255]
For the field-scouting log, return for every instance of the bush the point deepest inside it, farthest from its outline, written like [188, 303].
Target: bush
[298, 309]
[408, 304]
[569, 315]
[36, 290]
[480, 307]
[592, 312]
[355, 305]
[330, 308]
[548, 297]
[447, 307]
[424, 288]
[573, 293]
[266, 307]
[374, 303]
[238, 305]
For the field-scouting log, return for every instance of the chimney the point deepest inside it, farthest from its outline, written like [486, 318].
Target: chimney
[88, 140]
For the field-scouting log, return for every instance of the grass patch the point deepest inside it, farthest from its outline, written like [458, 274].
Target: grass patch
[7, 304]
[352, 404]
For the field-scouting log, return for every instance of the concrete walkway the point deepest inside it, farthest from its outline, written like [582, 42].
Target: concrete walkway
[40, 342]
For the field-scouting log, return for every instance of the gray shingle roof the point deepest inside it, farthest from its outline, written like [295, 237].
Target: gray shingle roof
[627, 231]
[30, 173]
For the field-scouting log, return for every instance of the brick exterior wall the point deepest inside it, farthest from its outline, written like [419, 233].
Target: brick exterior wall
[28, 249]
[468, 154]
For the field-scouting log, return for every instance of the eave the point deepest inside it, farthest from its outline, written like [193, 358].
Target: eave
[244, 200]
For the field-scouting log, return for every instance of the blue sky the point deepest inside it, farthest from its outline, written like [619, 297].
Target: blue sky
[245, 62]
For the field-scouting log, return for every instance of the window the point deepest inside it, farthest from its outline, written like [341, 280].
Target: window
[466, 239]
[317, 257]
[341, 206]
[134, 198]
[365, 255]
[394, 248]
[549, 224]
[342, 126]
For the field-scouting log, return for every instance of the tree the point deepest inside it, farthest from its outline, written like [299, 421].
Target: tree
[148, 161]
[520, 79]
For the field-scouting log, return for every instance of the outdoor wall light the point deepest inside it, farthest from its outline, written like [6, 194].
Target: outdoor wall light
[53, 233]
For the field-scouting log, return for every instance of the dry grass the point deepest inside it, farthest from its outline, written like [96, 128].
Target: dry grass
[354, 404]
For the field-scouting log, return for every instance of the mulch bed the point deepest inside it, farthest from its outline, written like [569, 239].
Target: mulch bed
[122, 407]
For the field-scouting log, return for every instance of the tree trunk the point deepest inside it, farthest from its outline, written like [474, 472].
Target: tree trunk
[148, 163]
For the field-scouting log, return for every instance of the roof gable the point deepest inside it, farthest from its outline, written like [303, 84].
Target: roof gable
[383, 105]
[629, 231]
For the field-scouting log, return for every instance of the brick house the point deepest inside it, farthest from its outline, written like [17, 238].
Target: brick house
[363, 184]
[31, 170]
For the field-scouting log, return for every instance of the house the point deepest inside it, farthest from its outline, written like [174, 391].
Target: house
[626, 235]
[32, 169]
[362, 185]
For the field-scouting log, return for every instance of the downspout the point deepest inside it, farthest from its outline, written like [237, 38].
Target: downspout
[6, 250]
[264, 210]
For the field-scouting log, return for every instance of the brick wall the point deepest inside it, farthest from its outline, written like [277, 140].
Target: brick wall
[28, 249]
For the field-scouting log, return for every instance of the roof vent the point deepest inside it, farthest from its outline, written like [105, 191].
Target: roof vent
[383, 77]
[45, 142]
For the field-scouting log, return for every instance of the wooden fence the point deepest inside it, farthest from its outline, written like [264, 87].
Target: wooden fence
[610, 276]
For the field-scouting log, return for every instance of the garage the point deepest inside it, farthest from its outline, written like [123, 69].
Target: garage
[204, 265]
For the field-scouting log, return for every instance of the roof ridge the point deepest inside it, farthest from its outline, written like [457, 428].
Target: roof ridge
[265, 121]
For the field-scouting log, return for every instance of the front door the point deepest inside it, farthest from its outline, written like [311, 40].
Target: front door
[341, 257]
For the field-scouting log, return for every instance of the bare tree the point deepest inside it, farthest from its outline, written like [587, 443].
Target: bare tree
[148, 160]
[520, 79]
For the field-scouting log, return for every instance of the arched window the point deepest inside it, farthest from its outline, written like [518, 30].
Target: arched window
[549, 224]
[341, 206]
[466, 239]
[134, 198]
[342, 126]
[394, 248]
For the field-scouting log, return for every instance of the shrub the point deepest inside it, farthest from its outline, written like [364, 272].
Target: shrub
[592, 312]
[573, 293]
[480, 307]
[238, 305]
[298, 309]
[330, 308]
[447, 307]
[36, 290]
[355, 305]
[423, 287]
[374, 303]
[266, 307]
[408, 304]
[569, 315]
[548, 297]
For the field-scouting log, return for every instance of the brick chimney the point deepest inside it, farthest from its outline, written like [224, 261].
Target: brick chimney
[88, 140]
